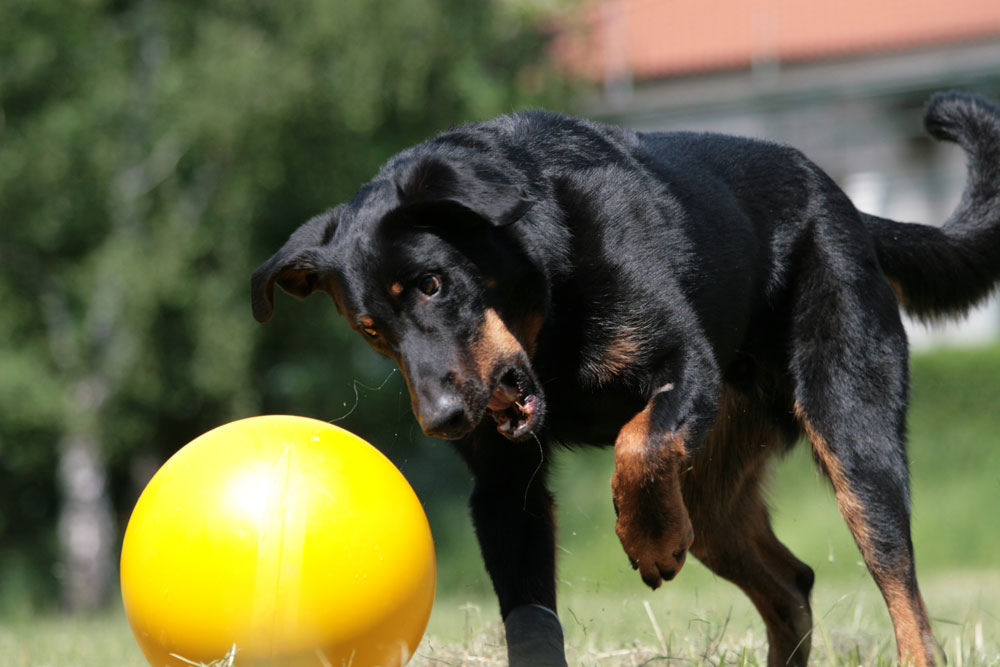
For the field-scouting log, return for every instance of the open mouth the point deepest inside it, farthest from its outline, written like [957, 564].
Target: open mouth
[514, 405]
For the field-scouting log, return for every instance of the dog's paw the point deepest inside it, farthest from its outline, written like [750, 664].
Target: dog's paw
[653, 525]
[658, 558]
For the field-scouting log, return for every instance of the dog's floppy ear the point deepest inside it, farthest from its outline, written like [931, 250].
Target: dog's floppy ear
[433, 180]
[296, 267]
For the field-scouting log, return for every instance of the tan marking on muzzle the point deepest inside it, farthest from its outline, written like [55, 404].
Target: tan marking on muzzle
[530, 328]
[495, 344]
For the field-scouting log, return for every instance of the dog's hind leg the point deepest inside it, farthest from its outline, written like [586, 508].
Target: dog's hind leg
[849, 367]
[873, 497]
[733, 535]
[743, 549]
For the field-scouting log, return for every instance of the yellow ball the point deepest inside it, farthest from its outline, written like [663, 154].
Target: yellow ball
[292, 539]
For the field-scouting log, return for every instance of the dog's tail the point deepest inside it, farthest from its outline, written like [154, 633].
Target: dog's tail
[941, 272]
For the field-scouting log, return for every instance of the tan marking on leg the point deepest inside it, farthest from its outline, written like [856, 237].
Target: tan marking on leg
[742, 548]
[723, 492]
[914, 638]
[851, 507]
[742, 438]
[635, 440]
[653, 523]
[633, 437]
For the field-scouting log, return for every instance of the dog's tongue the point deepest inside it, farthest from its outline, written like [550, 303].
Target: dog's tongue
[516, 421]
[513, 410]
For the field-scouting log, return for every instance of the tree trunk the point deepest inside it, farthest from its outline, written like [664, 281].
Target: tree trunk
[86, 524]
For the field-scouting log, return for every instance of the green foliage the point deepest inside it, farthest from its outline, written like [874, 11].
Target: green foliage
[151, 154]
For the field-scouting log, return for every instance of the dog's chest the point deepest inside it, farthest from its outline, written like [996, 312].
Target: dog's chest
[590, 417]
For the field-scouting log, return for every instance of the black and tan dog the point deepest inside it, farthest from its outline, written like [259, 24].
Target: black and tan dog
[699, 301]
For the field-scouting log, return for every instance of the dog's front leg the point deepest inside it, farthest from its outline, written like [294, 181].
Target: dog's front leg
[512, 510]
[651, 453]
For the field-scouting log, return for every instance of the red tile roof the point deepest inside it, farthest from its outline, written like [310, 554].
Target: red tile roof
[656, 38]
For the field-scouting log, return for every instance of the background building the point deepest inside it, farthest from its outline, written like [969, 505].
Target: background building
[843, 81]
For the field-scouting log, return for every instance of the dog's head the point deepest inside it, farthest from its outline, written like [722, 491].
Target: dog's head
[426, 264]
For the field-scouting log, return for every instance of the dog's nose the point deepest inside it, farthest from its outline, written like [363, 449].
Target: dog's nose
[445, 417]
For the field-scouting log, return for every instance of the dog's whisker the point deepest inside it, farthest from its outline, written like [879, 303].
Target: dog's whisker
[541, 462]
[357, 395]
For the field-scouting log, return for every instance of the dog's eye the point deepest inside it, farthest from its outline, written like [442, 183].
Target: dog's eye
[370, 332]
[430, 285]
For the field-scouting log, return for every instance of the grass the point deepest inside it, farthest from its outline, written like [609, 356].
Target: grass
[699, 622]
[610, 618]
[706, 622]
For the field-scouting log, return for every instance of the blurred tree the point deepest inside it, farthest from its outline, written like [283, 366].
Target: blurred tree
[151, 154]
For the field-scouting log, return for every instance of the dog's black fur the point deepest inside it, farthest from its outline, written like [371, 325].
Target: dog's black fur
[699, 301]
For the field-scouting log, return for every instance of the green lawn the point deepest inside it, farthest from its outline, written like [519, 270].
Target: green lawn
[697, 622]
[708, 622]
[612, 619]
